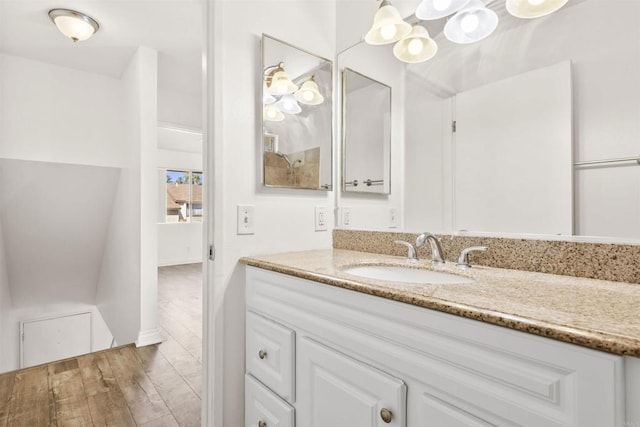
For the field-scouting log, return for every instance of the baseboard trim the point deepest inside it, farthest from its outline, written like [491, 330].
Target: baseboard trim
[148, 337]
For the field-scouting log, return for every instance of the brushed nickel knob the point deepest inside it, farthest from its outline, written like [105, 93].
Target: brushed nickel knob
[262, 354]
[262, 424]
[386, 415]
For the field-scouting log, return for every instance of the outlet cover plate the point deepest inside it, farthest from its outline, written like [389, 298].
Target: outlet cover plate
[322, 218]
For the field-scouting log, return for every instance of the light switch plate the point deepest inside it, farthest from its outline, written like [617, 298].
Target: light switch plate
[322, 218]
[245, 219]
[393, 218]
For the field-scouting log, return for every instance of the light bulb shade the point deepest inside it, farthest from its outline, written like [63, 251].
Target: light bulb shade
[416, 47]
[288, 104]
[528, 9]
[309, 93]
[388, 26]
[272, 114]
[267, 98]
[281, 84]
[435, 9]
[75, 25]
[471, 24]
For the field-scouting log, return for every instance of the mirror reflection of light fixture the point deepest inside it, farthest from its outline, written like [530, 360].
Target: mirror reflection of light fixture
[418, 46]
[472, 23]
[271, 113]
[267, 98]
[278, 81]
[309, 93]
[533, 8]
[388, 26]
[435, 9]
[288, 104]
[75, 25]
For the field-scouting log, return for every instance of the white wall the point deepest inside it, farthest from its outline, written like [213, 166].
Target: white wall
[57, 114]
[284, 219]
[6, 361]
[180, 108]
[127, 286]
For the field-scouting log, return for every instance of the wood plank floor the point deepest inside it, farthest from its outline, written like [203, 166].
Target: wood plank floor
[157, 385]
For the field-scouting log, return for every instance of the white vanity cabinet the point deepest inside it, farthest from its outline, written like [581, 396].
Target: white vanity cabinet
[360, 360]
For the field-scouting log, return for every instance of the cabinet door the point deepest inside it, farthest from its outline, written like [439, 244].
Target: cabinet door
[438, 413]
[335, 390]
[263, 408]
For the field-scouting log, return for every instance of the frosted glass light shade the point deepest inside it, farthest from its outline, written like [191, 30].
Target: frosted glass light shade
[388, 26]
[281, 84]
[435, 9]
[309, 93]
[418, 46]
[471, 24]
[75, 25]
[528, 9]
[288, 104]
[267, 98]
[272, 114]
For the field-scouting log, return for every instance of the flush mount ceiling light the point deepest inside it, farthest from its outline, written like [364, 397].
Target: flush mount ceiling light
[278, 81]
[418, 46]
[472, 23]
[75, 25]
[533, 8]
[271, 113]
[435, 9]
[309, 93]
[388, 26]
[288, 104]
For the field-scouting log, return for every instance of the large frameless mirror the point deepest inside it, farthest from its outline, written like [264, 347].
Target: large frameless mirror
[366, 126]
[296, 130]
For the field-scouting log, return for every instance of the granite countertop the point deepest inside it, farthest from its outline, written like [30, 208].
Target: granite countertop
[598, 314]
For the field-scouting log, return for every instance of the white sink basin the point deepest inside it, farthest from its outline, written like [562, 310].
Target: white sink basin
[398, 273]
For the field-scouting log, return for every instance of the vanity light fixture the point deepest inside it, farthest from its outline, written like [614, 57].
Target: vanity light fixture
[278, 81]
[288, 104]
[435, 9]
[388, 26]
[271, 113]
[267, 98]
[309, 93]
[418, 46]
[528, 9]
[75, 25]
[472, 23]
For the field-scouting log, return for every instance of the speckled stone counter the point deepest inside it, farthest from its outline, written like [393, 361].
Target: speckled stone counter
[598, 314]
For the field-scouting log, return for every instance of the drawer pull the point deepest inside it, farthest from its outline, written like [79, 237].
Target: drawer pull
[262, 354]
[262, 424]
[386, 415]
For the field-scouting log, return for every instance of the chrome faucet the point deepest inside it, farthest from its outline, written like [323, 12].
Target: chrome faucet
[411, 254]
[463, 259]
[437, 254]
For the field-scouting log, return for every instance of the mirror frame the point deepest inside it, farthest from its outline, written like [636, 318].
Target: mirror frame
[260, 119]
[343, 182]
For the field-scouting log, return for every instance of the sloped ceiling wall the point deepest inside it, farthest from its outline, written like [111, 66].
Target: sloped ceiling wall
[55, 219]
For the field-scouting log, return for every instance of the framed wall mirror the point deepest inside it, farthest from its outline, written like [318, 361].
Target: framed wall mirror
[296, 127]
[366, 134]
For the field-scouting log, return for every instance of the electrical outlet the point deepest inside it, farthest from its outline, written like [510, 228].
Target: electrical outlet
[245, 219]
[322, 218]
[346, 217]
[393, 218]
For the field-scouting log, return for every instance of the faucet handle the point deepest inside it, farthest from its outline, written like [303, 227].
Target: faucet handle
[463, 259]
[411, 250]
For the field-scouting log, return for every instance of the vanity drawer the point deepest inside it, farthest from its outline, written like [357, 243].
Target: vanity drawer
[263, 408]
[271, 355]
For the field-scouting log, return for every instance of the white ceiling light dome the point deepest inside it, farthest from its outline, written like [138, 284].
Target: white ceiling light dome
[435, 9]
[529, 9]
[471, 24]
[418, 46]
[75, 25]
